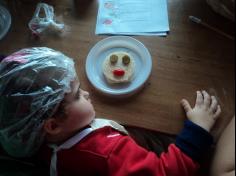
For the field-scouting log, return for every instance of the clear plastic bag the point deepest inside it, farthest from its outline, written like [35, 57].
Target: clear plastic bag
[39, 25]
[32, 84]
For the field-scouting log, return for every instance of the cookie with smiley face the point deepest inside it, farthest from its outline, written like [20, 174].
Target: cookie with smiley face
[118, 67]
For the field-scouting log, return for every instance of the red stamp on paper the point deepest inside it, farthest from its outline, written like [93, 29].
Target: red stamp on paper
[107, 22]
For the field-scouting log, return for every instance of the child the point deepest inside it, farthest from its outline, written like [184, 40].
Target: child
[46, 104]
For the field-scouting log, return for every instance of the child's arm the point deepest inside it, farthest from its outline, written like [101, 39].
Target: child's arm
[195, 140]
[182, 158]
[223, 163]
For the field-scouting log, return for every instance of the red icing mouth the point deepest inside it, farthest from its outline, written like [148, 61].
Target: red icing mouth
[118, 72]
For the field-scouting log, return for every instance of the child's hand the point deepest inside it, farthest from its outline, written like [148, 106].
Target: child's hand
[205, 112]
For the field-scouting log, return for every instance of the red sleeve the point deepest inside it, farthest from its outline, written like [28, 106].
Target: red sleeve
[129, 159]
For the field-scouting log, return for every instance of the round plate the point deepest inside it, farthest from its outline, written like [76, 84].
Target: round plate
[5, 21]
[97, 55]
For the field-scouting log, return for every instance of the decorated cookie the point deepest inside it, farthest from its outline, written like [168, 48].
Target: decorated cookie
[118, 67]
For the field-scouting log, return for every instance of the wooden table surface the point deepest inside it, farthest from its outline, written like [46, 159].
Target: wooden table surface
[190, 58]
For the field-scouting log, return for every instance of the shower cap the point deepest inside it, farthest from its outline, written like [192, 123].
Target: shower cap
[33, 82]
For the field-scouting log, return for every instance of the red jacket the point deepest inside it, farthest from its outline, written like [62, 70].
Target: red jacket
[107, 152]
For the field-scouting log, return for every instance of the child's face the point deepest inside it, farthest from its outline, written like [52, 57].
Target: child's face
[78, 109]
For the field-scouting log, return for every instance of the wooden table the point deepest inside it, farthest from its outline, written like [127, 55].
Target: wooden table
[190, 58]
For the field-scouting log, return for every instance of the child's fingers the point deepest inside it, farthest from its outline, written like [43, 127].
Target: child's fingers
[207, 98]
[214, 104]
[217, 113]
[186, 105]
[199, 99]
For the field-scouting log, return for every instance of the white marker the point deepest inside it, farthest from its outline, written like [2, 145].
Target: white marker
[199, 21]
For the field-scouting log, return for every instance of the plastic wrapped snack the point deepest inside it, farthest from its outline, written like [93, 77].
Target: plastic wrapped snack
[39, 24]
[32, 84]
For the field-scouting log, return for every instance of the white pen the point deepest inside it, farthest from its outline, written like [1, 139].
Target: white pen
[199, 21]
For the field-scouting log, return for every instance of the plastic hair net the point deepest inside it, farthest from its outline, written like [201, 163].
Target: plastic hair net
[32, 84]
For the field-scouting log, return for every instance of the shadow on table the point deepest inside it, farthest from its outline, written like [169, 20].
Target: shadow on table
[81, 7]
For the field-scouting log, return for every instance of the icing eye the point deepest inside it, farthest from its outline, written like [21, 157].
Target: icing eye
[113, 59]
[126, 60]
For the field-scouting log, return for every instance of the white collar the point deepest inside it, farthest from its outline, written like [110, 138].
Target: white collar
[66, 145]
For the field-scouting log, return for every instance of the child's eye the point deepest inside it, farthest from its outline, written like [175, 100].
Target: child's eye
[77, 95]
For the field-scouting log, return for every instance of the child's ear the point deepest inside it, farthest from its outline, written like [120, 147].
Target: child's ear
[51, 126]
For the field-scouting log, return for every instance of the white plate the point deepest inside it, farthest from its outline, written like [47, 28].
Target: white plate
[5, 21]
[97, 55]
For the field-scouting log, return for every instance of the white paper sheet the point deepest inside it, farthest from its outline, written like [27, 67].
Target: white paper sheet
[132, 17]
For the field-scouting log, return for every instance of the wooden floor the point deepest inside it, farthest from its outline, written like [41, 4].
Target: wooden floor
[190, 58]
